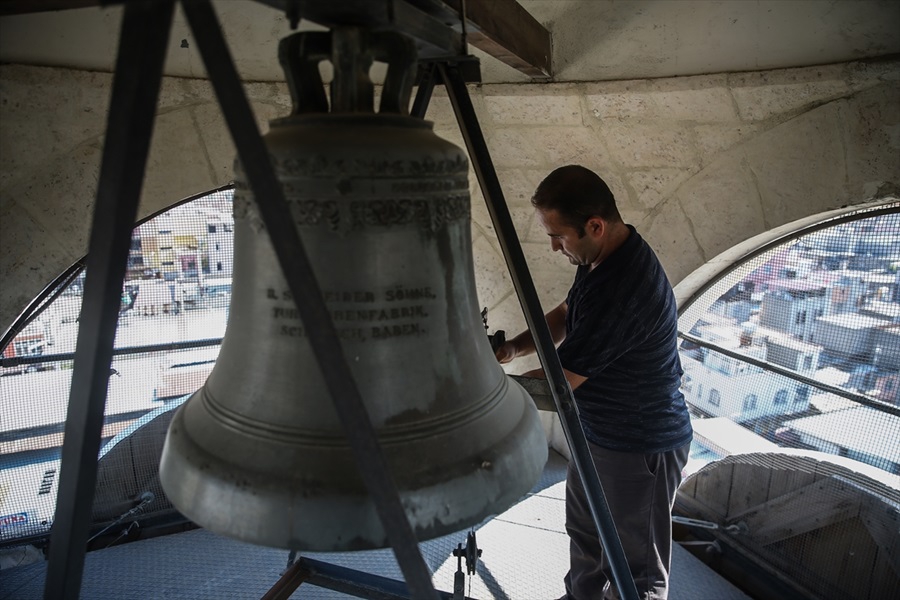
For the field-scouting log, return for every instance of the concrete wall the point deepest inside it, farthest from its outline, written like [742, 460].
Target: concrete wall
[698, 164]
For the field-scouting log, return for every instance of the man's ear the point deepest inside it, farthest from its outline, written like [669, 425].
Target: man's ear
[595, 226]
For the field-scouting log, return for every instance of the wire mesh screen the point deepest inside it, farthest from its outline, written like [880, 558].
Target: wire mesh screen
[792, 374]
[172, 316]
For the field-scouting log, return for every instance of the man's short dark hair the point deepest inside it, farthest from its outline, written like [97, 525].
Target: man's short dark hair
[577, 194]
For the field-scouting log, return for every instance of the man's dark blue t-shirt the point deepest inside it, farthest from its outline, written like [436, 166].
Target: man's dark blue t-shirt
[621, 333]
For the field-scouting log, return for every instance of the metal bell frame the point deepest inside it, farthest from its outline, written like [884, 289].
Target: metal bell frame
[144, 35]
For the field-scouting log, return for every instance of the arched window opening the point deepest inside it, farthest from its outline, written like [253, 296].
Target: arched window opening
[798, 343]
[805, 331]
[174, 306]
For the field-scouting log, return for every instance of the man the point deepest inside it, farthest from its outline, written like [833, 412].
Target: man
[617, 341]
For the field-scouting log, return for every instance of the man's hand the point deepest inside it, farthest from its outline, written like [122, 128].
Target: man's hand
[506, 352]
[523, 344]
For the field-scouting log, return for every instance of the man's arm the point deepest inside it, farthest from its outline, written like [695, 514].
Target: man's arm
[523, 345]
[574, 379]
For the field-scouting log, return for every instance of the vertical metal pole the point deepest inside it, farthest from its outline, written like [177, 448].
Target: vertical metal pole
[302, 282]
[142, 49]
[534, 316]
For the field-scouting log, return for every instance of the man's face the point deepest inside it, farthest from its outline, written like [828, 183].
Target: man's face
[581, 247]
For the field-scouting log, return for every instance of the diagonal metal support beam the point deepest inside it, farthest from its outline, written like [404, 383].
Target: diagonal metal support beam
[537, 324]
[142, 50]
[302, 282]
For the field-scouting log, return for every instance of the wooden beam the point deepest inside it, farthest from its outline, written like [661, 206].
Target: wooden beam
[812, 507]
[500, 28]
[506, 31]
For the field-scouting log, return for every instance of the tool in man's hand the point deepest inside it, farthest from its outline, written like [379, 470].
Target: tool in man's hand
[498, 338]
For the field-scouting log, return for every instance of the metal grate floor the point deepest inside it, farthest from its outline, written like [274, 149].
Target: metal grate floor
[525, 556]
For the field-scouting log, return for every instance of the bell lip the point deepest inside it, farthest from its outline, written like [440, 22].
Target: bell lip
[372, 119]
[524, 452]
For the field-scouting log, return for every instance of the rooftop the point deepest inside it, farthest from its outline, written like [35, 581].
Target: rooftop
[860, 429]
[852, 321]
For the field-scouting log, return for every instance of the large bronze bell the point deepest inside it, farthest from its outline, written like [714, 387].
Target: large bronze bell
[382, 207]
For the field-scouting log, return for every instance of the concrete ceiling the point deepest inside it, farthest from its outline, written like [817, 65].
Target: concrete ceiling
[592, 40]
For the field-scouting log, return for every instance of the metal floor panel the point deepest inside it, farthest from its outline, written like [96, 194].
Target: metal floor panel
[525, 556]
